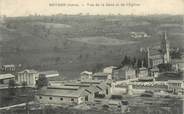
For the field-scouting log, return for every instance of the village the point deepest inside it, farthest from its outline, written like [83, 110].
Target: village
[153, 80]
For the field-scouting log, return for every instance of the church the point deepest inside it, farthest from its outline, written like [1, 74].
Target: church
[159, 54]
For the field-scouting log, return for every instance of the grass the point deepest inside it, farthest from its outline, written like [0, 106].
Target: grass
[49, 43]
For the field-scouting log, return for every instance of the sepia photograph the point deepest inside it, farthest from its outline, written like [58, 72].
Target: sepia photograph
[92, 57]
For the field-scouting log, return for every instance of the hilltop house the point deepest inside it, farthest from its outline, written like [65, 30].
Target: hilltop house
[63, 95]
[28, 76]
[137, 35]
[124, 73]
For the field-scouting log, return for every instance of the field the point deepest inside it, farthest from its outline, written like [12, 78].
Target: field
[71, 44]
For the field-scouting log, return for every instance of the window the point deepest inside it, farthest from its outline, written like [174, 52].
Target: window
[72, 99]
[40, 97]
[50, 98]
[61, 99]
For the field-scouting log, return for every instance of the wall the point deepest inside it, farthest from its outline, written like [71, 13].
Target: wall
[57, 100]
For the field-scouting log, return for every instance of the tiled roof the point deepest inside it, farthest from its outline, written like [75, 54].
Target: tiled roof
[62, 92]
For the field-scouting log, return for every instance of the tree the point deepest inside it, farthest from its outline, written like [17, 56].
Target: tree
[11, 86]
[11, 83]
[41, 82]
[165, 67]
[24, 85]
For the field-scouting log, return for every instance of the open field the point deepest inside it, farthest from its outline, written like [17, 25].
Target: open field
[72, 44]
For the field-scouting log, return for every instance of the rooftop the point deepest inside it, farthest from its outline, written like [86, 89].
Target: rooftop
[28, 71]
[49, 72]
[64, 87]
[11, 65]
[100, 74]
[62, 93]
[6, 76]
[86, 72]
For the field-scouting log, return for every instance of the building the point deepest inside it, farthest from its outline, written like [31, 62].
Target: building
[109, 69]
[175, 85]
[137, 35]
[50, 75]
[63, 95]
[178, 64]
[8, 68]
[155, 58]
[101, 76]
[159, 54]
[154, 72]
[103, 91]
[28, 76]
[86, 76]
[124, 73]
[143, 72]
[4, 78]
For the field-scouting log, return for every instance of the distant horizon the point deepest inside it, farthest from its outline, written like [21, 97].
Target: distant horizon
[80, 14]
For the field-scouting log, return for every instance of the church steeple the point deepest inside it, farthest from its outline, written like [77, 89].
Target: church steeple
[165, 48]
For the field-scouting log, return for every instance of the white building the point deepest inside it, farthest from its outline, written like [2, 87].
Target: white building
[86, 76]
[109, 69]
[4, 78]
[28, 76]
[175, 85]
[8, 68]
[143, 72]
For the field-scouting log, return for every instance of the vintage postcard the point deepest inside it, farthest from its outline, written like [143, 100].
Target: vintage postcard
[91, 56]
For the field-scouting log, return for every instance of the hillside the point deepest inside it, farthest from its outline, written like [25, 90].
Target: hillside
[72, 44]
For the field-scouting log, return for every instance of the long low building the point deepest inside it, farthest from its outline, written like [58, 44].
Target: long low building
[49, 74]
[63, 95]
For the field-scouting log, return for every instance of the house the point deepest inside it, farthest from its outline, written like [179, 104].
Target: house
[155, 58]
[28, 76]
[101, 76]
[175, 85]
[143, 72]
[178, 64]
[63, 95]
[154, 72]
[139, 35]
[124, 73]
[109, 69]
[4, 78]
[8, 68]
[50, 74]
[86, 76]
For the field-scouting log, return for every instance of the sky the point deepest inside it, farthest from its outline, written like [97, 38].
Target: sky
[140, 7]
